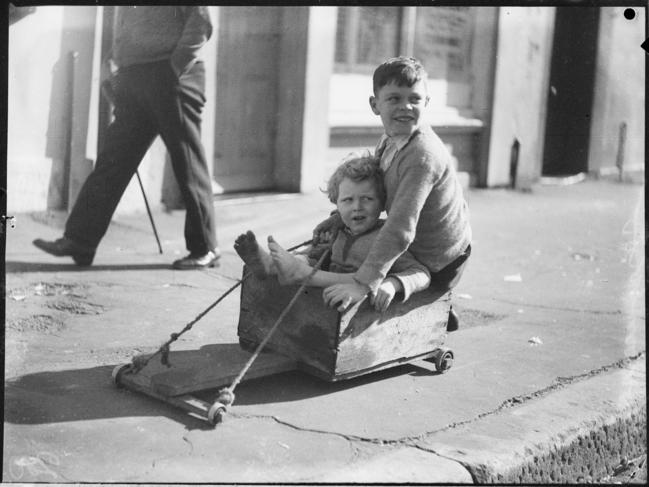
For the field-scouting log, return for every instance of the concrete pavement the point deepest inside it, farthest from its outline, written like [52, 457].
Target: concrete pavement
[548, 382]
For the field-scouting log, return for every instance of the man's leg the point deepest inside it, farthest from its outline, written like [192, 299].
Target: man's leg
[127, 140]
[178, 107]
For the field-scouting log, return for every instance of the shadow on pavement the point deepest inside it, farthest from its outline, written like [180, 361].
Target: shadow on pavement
[87, 394]
[13, 266]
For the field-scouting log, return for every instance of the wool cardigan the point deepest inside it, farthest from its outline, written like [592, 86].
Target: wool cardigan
[427, 213]
[146, 34]
[348, 253]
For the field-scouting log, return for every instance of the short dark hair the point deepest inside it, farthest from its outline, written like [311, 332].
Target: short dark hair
[402, 70]
[357, 168]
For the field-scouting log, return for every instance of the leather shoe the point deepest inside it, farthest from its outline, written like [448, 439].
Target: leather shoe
[194, 261]
[65, 247]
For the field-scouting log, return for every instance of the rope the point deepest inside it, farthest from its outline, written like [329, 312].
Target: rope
[285, 311]
[140, 362]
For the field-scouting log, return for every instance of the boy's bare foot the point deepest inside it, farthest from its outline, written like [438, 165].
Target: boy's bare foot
[290, 269]
[253, 255]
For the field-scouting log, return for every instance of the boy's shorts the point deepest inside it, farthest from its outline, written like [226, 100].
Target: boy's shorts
[449, 276]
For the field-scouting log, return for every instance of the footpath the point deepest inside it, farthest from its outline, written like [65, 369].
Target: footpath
[548, 384]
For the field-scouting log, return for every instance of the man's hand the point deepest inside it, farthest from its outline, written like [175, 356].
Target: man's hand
[341, 296]
[327, 230]
[385, 293]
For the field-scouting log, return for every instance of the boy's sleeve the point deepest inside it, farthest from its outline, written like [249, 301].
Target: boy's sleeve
[413, 275]
[197, 31]
[415, 184]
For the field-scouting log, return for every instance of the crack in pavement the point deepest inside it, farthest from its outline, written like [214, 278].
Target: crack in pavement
[411, 441]
[617, 312]
[414, 441]
[559, 382]
[348, 437]
[470, 468]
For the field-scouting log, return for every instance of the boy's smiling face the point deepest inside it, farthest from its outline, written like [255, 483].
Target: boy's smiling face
[400, 107]
[359, 205]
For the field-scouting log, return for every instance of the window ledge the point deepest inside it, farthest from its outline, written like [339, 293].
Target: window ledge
[442, 121]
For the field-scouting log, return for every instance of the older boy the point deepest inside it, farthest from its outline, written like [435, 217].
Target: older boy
[357, 190]
[427, 213]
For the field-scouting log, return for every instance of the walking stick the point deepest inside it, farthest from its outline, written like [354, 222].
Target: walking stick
[148, 210]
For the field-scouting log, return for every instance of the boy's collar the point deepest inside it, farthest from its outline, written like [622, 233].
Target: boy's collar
[399, 140]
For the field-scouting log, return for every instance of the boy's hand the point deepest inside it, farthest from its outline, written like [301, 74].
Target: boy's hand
[386, 293]
[344, 295]
[327, 230]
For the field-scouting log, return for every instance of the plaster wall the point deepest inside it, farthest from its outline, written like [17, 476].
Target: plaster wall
[306, 62]
[520, 92]
[38, 87]
[619, 93]
[33, 51]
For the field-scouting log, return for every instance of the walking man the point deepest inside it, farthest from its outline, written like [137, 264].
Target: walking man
[158, 89]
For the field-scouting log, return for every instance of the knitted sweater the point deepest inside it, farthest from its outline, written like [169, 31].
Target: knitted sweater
[146, 34]
[427, 213]
[349, 251]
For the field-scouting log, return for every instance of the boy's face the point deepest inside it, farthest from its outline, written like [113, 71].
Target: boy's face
[358, 204]
[400, 107]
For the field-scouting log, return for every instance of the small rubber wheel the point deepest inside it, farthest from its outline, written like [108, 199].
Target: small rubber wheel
[444, 361]
[215, 413]
[117, 373]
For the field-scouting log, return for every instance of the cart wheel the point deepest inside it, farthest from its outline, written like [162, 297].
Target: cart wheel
[444, 360]
[215, 413]
[117, 373]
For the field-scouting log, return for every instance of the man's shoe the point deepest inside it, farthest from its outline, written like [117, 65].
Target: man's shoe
[65, 247]
[193, 261]
[453, 322]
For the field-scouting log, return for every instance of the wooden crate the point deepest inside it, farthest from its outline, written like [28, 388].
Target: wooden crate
[334, 345]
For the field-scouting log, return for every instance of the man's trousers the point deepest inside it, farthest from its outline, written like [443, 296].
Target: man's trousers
[150, 100]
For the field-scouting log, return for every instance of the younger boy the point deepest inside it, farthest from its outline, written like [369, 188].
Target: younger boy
[356, 188]
[427, 213]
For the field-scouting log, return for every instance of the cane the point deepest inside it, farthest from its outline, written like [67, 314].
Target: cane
[148, 210]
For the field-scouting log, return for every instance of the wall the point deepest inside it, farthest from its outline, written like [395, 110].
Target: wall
[619, 93]
[32, 60]
[39, 84]
[520, 93]
[306, 63]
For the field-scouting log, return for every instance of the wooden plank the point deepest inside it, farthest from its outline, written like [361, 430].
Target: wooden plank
[210, 367]
[308, 332]
[404, 332]
[184, 402]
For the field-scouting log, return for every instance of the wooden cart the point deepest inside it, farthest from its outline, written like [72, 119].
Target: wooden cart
[313, 338]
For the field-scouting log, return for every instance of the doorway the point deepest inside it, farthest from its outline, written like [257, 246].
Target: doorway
[570, 99]
[246, 98]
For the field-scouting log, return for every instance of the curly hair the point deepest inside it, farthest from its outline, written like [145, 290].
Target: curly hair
[357, 168]
[402, 70]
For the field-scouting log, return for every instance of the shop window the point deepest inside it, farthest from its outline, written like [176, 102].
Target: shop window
[366, 36]
[442, 41]
[439, 36]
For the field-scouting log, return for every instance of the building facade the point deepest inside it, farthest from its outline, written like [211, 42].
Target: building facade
[515, 94]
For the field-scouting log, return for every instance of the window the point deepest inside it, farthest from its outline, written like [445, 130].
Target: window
[366, 36]
[442, 41]
[440, 37]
